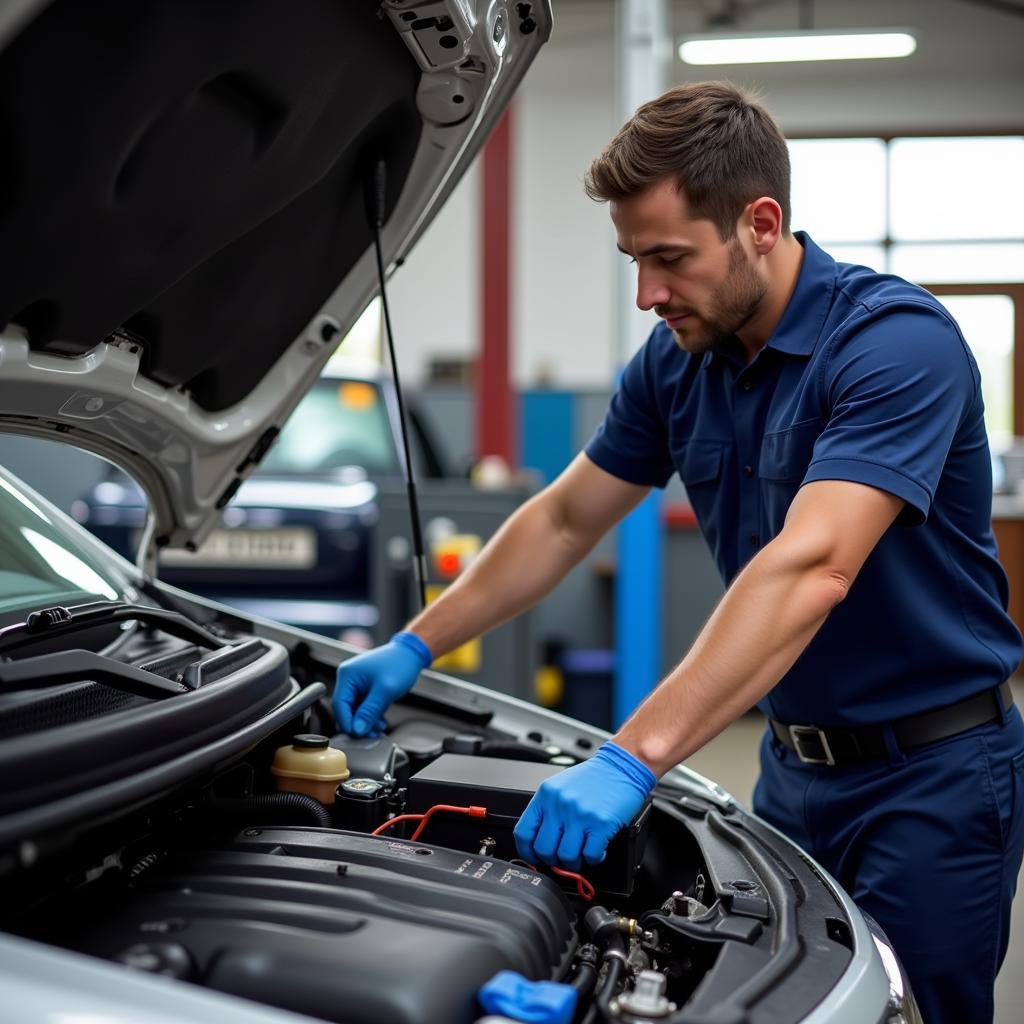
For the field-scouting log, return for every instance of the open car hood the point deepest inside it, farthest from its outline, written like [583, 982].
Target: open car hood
[186, 198]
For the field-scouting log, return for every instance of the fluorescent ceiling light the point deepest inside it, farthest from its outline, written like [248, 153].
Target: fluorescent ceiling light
[775, 47]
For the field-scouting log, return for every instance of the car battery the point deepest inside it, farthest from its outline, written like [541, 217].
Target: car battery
[505, 787]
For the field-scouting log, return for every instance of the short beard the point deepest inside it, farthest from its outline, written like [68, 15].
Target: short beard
[733, 304]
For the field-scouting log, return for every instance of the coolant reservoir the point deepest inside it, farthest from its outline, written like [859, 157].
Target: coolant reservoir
[311, 766]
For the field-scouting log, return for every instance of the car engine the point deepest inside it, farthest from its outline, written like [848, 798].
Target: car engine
[336, 925]
[179, 803]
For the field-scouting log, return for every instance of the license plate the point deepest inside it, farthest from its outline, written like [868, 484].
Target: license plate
[293, 548]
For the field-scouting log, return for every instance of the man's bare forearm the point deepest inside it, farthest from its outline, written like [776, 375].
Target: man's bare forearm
[763, 623]
[760, 627]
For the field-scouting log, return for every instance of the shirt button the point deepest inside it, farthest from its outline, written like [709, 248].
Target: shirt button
[748, 470]
[748, 384]
[753, 540]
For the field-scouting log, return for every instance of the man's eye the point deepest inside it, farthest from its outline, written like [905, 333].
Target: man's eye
[668, 261]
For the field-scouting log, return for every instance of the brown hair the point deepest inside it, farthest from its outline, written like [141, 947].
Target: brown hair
[716, 141]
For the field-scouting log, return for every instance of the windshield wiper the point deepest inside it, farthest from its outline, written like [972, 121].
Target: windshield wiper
[58, 621]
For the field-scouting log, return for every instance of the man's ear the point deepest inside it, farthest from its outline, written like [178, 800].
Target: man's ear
[762, 219]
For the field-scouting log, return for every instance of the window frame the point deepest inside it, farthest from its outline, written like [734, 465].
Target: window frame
[887, 242]
[1016, 293]
[1014, 289]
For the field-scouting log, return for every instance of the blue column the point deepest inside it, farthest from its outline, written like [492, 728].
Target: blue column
[638, 590]
[547, 434]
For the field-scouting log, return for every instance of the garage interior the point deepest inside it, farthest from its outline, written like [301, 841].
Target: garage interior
[512, 315]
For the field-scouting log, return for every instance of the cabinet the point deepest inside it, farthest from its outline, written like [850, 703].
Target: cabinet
[1010, 538]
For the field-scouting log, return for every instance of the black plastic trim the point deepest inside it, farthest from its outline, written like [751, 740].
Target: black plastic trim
[447, 706]
[48, 670]
[229, 659]
[129, 792]
[99, 750]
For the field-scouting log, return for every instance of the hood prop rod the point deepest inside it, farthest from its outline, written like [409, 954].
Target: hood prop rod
[376, 196]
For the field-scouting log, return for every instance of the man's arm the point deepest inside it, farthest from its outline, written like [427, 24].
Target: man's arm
[765, 620]
[534, 549]
[760, 627]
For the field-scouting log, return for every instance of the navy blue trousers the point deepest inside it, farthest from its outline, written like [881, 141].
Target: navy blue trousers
[928, 843]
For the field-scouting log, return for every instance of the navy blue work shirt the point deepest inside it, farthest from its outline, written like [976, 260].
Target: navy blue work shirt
[866, 378]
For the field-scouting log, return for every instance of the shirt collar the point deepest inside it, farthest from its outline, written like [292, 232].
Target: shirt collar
[798, 331]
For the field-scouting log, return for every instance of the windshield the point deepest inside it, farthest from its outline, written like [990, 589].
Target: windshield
[42, 563]
[339, 423]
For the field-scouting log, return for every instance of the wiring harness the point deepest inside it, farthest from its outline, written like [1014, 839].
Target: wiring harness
[584, 889]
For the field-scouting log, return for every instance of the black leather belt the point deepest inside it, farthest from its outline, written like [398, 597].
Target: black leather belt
[838, 745]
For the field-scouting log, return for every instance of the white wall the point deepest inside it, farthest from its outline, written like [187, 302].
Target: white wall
[967, 75]
[564, 246]
[434, 297]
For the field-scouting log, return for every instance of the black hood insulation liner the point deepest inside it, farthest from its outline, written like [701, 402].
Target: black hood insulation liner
[190, 173]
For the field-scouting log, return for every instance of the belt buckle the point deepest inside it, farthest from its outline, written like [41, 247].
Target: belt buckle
[800, 734]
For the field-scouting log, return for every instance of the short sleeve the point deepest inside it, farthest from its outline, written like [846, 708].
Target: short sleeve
[632, 442]
[898, 386]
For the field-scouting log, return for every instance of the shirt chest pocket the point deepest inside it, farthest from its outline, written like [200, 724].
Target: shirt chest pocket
[700, 463]
[786, 454]
[700, 469]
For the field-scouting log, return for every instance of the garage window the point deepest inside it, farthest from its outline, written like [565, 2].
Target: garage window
[937, 211]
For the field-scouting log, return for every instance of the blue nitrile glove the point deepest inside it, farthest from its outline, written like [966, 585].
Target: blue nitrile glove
[369, 683]
[579, 811]
[533, 1002]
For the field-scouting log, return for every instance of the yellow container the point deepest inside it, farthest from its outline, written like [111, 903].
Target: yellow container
[311, 766]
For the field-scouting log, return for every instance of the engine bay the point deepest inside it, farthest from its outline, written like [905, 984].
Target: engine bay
[374, 879]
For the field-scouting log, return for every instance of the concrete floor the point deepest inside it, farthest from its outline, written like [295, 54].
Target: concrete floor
[731, 760]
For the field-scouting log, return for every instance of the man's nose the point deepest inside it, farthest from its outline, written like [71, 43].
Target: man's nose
[651, 292]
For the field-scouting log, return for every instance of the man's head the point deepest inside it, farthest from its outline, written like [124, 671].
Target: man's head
[698, 182]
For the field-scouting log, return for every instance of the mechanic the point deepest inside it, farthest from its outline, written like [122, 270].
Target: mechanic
[827, 422]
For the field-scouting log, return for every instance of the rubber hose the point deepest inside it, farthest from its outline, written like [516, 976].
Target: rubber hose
[583, 981]
[293, 807]
[604, 929]
[600, 1008]
[616, 968]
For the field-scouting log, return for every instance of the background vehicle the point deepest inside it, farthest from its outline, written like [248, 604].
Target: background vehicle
[294, 544]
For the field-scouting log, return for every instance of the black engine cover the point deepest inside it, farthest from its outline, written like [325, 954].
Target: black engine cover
[337, 925]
